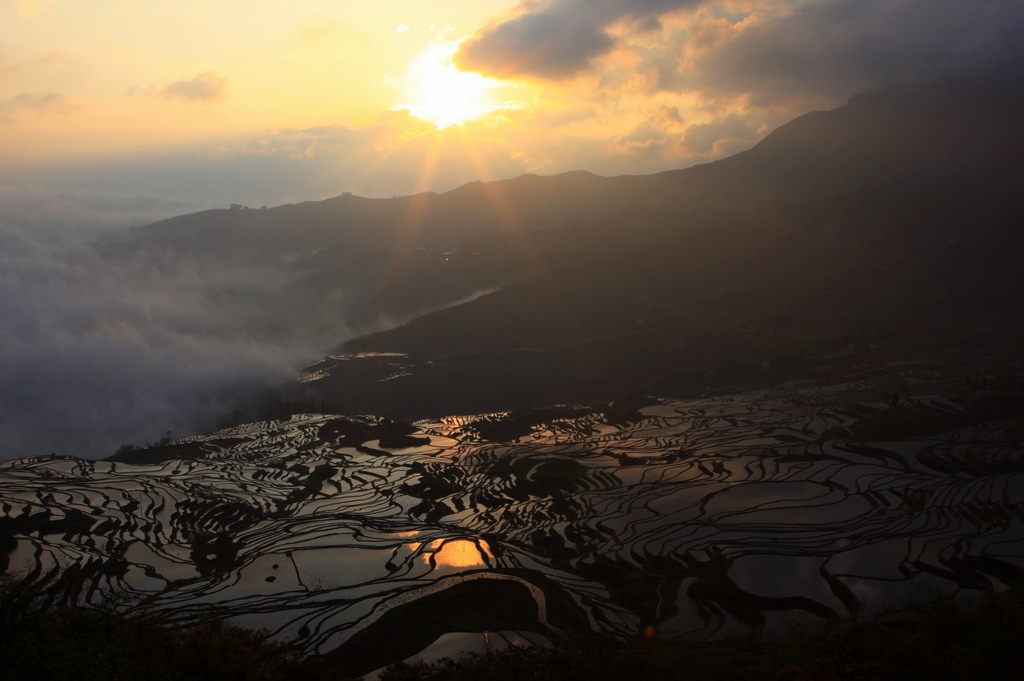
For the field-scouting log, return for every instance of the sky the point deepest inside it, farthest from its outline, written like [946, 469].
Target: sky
[116, 113]
[265, 102]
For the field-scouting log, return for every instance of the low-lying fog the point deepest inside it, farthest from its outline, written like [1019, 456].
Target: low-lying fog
[98, 350]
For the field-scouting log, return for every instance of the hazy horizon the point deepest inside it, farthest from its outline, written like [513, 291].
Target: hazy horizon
[278, 105]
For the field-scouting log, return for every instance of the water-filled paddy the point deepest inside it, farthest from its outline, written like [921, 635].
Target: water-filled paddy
[704, 518]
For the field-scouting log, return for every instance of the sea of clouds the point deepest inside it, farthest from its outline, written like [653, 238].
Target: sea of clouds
[100, 348]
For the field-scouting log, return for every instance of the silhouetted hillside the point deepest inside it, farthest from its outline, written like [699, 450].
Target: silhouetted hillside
[394, 258]
[894, 220]
[366, 249]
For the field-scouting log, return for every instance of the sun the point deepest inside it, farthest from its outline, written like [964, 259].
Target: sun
[434, 90]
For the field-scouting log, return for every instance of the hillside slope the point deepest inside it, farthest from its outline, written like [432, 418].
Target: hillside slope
[892, 220]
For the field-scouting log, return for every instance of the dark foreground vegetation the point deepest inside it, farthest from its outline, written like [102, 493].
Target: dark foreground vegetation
[43, 639]
[940, 640]
[981, 639]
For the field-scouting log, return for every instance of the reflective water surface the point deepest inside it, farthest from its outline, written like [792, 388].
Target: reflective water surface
[704, 518]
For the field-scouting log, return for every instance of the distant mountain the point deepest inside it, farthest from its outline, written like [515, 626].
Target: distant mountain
[393, 256]
[896, 216]
[894, 220]
[363, 247]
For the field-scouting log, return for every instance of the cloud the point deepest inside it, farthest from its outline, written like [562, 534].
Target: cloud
[560, 39]
[206, 87]
[834, 48]
[402, 28]
[703, 137]
[102, 345]
[765, 48]
[53, 59]
[731, 70]
[38, 103]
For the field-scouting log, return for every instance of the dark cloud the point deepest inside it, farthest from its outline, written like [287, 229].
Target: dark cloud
[770, 49]
[838, 47]
[39, 103]
[560, 39]
[206, 87]
[649, 25]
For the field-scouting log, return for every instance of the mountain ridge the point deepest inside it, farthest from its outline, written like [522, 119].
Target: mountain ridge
[831, 231]
[836, 228]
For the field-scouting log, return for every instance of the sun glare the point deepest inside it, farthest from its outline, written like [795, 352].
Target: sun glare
[439, 93]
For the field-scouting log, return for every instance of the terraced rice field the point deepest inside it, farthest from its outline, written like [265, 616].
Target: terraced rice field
[700, 518]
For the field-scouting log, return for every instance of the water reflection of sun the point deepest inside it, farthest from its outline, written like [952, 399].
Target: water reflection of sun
[434, 90]
[458, 553]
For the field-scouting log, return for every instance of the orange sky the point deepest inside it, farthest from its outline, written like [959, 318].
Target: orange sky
[314, 97]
